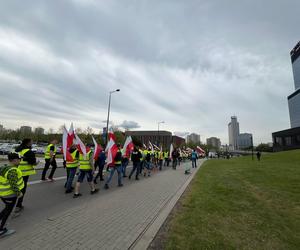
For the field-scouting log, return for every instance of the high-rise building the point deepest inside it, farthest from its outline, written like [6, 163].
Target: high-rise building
[244, 140]
[1, 128]
[39, 131]
[193, 138]
[290, 138]
[25, 129]
[214, 142]
[233, 132]
[294, 98]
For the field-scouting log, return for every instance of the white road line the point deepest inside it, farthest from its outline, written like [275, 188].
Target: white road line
[39, 181]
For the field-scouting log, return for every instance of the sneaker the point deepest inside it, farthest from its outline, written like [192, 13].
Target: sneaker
[102, 179]
[5, 232]
[43, 180]
[124, 176]
[106, 186]
[77, 195]
[120, 185]
[95, 191]
[137, 178]
[68, 191]
[51, 179]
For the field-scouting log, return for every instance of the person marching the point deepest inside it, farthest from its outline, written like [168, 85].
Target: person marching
[166, 156]
[28, 161]
[160, 159]
[71, 167]
[11, 185]
[136, 157]
[116, 165]
[50, 160]
[147, 163]
[125, 161]
[194, 158]
[100, 162]
[86, 167]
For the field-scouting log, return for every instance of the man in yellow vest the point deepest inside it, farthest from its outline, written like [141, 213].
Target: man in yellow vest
[50, 153]
[86, 167]
[27, 164]
[71, 167]
[11, 184]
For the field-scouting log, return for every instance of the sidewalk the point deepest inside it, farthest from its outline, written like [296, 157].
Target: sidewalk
[117, 219]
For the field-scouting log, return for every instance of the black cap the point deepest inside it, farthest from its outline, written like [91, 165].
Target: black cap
[13, 156]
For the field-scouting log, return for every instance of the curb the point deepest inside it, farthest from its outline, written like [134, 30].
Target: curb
[146, 237]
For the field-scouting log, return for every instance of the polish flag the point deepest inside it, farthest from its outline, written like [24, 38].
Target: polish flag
[128, 147]
[71, 136]
[200, 150]
[171, 150]
[81, 147]
[144, 145]
[111, 150]
[97, 150]
[151, 146]
[111, 134]
[156, 147]
[66, 145]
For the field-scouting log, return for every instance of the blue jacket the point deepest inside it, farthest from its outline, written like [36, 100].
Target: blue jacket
[194, 155]
[101, 158]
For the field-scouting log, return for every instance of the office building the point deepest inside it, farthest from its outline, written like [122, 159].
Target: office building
[25, 129]
[178, 141]
[233, 132]
[213, 142]
[1, 128]
[290, 138]
[244, 141]
[193, 138]
[39, 131]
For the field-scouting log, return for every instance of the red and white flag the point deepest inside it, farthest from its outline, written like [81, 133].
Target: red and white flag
[97, 150]
[156, 147]
[171, 150]
[128, 147]
[71, 136]
[81, 147]
[111, 150]
[151, 146]
[200, 150]
[111, 135]
[67, 142]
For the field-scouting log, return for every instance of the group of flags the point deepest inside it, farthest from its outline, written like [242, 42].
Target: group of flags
[70, 138]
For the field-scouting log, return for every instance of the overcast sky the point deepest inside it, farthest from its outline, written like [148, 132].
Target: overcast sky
[190, 63]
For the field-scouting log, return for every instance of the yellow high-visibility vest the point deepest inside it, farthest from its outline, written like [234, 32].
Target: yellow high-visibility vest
[5, 189]
[84, 164]
[47, 152]
[24, 166]
[74, 163]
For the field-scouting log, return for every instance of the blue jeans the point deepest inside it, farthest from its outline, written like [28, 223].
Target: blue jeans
[194, 161]
[112, 172]
[136, 167]
[70, 177]
[124, 165]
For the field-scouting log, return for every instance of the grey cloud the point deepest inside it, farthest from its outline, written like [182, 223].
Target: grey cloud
[129, 125]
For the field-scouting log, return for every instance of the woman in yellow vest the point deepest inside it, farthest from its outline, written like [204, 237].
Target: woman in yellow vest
[71, 167]
[11, 184]
[27, 164]
[50, 153]
[86, 167]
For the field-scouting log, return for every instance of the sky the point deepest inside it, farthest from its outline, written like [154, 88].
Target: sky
[192, 64]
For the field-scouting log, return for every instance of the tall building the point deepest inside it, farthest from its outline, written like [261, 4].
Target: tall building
[214, 142]
[294, 98]
[290, 138]
[178, 141]
[233, 132]
[39, 131]
[244, 140]
[25, 129]
[193, 138]
[1, 128]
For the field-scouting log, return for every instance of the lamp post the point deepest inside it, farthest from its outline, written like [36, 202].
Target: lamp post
[252, 147]
[107, 121]
[158, 132]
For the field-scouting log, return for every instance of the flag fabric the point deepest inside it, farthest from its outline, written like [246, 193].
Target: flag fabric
[71, 136]
[128, 147]
[144, 145]
[66, 142]
[111, 135]
[111, 150]
[156, 147]
[171, 150]
[200, 150]
[151, 146]
[81, 147]
[97, 149]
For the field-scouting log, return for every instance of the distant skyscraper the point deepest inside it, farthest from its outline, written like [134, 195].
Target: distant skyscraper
[39, 131]
[214, 142]
[294, 98]
[233, 132]
[25, 129]
[1, 128]
[244, 140]
[193, 138]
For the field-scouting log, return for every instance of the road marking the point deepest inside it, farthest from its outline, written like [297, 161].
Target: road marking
[40, 181]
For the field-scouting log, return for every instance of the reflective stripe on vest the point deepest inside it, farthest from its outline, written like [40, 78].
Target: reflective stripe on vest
[5, 188]
[74, 162]
[24, 166]
[84, 164]
[47, 152]
[118, 162]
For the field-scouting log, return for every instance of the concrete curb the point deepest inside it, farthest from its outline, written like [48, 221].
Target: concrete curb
[146, 237]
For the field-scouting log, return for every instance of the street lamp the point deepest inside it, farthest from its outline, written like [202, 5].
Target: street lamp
[158, 131]
[107, 121]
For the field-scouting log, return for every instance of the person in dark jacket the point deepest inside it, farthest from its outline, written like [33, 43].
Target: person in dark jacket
[100, 163]
[136, 160]
[26, 166]
[175, 156]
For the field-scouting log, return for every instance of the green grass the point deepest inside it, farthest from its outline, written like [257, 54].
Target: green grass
[241, 204]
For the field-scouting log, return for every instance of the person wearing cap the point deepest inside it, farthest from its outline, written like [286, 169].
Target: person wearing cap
[11, 185]
[117, 165]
